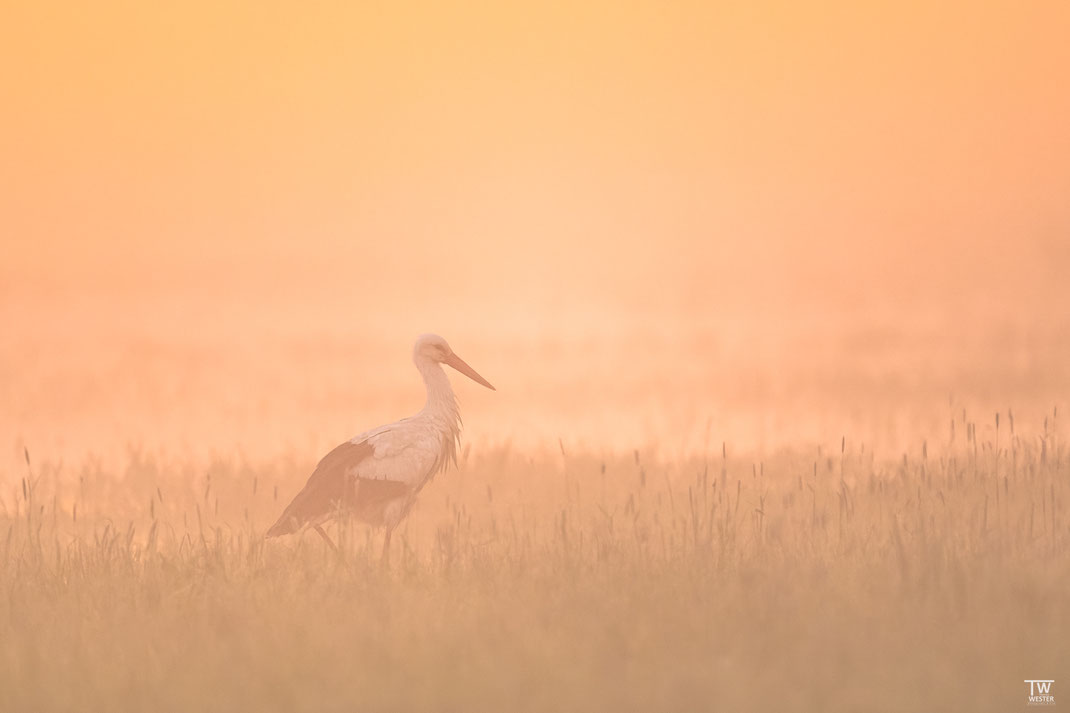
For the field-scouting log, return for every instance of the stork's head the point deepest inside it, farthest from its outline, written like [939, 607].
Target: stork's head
[433, 348]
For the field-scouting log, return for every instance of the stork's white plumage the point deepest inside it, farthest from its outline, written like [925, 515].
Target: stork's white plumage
[375, 476]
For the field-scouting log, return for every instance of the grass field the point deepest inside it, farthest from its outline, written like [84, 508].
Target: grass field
[551, 580]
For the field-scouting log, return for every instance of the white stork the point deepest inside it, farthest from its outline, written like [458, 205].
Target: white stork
[375, 476]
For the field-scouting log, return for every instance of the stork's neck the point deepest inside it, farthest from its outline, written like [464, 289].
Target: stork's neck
[441, 407]
[440, 412]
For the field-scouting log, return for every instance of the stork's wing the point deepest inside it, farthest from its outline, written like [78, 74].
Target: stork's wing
[326, 488]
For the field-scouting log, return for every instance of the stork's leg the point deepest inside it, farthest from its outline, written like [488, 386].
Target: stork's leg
[326, 538]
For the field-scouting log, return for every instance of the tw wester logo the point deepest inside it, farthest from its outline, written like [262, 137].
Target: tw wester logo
[1040, 692]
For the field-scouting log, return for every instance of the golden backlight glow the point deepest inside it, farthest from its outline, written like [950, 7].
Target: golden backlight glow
[645, 217]
[664, 231]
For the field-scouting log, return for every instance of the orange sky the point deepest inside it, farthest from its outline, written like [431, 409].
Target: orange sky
[488, 148]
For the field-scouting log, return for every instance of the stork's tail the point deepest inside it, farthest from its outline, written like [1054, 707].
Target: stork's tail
[285, 525]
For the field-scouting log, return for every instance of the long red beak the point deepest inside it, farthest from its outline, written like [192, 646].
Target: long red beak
[460, 365]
